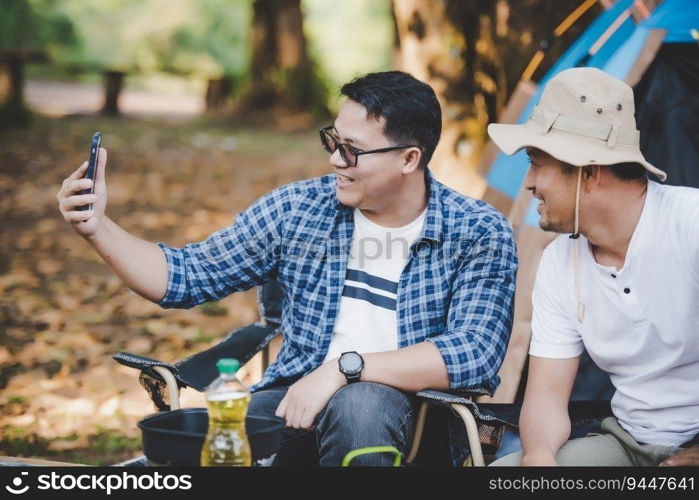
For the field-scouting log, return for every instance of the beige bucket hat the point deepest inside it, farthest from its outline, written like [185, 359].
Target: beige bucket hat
[585, 117]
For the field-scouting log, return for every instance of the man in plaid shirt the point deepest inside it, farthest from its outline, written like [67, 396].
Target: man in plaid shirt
[364, 326]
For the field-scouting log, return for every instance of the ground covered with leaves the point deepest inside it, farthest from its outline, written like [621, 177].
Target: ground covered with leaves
[63, 313]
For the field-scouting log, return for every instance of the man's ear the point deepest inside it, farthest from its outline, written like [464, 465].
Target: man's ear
[591, 176]
[411, 160]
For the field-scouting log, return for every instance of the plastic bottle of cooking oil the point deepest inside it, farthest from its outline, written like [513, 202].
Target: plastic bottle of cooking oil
[226, 442]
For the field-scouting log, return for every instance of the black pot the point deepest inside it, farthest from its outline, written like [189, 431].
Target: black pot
[176, 437]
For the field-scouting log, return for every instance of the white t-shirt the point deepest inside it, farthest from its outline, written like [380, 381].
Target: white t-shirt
[367, 320]
[641, 323]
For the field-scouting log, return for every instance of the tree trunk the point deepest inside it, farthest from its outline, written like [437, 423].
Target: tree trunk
[282, 75]
[217, 91]
[473, 53]
[13, 112]
[14, 106]
[113, 83]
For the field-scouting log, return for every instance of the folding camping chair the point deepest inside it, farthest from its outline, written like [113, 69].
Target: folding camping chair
[484, 423]
[487, 422]
[163, 381]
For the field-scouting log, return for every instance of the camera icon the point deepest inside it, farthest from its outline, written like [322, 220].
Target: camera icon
[16, 488]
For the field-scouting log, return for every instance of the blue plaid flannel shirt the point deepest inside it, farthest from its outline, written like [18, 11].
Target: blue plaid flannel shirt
[456, 290]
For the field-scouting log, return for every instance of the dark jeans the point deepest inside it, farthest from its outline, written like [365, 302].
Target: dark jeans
[358, 415]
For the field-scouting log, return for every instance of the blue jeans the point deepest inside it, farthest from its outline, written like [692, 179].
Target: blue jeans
[358, 415]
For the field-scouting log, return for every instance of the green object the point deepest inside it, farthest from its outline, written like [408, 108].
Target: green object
[228, 365]
[373, 449]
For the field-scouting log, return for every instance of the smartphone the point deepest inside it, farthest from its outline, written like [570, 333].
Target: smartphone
[92, 168]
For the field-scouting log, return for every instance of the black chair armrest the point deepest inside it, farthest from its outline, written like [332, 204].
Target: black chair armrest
[494, 414]
[146, 365]
[580, 412]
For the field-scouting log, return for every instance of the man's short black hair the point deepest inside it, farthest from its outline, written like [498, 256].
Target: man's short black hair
[628, 171]
[409, 106]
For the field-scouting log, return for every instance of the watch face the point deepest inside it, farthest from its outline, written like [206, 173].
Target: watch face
[351, 362]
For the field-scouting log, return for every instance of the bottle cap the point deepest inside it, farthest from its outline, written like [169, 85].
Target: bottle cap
[228, 365]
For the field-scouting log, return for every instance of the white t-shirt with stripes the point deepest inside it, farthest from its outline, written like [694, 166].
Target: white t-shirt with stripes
[367, 320]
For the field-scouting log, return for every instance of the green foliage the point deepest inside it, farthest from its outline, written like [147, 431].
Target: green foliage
[105, 447]
[217, 41]
[109, 442]
[17, 442]
[206, 38]
[348, 38]
[16, 21]
[36, 25]
[202, 39]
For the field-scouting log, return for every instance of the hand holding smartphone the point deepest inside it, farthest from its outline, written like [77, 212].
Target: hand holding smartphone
[91, 168]
[82, 198]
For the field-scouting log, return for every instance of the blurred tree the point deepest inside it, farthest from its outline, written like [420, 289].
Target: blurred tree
[214, 43]
[35, 25]
[281, 73]
[473, 53]
[143, 41]
[113, 85]
[28, 31]
[207, 38]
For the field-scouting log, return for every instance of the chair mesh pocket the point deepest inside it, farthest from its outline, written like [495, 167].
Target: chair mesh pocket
[490, 436]
[157, 391]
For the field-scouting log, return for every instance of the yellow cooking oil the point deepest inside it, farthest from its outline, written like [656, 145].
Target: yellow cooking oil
[226, 442]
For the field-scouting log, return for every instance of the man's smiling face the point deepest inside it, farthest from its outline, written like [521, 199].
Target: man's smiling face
[373, 182]
[554, 188]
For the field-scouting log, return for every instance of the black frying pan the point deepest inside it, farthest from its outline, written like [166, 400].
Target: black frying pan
[176, 437]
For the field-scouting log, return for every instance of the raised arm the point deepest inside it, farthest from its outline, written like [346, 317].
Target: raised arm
[138, 263]
[235, 258]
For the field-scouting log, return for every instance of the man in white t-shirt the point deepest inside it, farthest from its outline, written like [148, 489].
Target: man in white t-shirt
[624, 285]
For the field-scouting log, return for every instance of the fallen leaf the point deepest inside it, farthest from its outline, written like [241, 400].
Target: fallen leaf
[109, 407]
[20, 421]
[140, 345]
[69, 444]
[5, 355]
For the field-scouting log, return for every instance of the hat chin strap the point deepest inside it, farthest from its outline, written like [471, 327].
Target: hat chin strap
[576, 251]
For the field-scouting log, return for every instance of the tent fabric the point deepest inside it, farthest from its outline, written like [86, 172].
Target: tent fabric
[507, 173]
[667, 103]
[624, 58]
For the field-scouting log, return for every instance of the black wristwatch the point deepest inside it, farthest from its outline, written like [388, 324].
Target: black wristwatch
[351, 365]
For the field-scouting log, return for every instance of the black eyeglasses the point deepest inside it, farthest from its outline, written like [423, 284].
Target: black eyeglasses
[350, 155]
